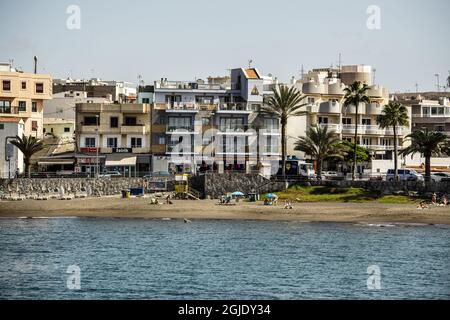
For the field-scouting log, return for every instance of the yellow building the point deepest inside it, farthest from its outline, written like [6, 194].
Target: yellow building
[59, 128]
[113, 137]
[22, 96]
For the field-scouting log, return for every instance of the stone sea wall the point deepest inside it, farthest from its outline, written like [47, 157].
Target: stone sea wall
[89, 187]
[387, 187]
[216, 185]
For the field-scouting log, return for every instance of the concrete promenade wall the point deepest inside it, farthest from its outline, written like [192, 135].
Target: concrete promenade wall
[89, 187]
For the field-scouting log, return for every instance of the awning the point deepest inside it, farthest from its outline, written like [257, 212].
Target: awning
[43, 163]
[120, 160]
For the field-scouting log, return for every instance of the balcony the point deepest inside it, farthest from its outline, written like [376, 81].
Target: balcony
[351, 109]
[373, 109]
[141, 150]
[330, 107]
[89, 107]
[270, 131]
[180, 129]
[373, 129]
[87, 128]
[134, 129]
[135, 108]
[234, 130]
[233, 107]
[376, 147]
[12, 110]
[313, 88]
[183, 107]
[337, 128]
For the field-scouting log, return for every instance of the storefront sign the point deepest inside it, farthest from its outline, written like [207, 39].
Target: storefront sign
[121, 150]
[88, 150]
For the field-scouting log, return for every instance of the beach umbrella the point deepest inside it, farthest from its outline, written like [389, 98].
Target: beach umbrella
[237, 194]
[271, 195]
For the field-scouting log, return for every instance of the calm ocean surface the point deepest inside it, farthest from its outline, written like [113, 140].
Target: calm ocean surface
[155, 259]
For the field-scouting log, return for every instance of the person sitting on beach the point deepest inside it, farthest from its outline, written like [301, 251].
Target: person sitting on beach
[423, 205]
[445, 200]
[434, 198]
[287, 205]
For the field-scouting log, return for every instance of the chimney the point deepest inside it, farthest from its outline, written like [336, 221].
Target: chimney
[35, 64]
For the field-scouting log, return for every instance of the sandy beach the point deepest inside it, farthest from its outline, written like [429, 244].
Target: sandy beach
[117, 207]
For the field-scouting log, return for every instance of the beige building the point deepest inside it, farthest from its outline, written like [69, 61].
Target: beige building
[325, 91]
[59, 128]
[22, 96]
[118, 133]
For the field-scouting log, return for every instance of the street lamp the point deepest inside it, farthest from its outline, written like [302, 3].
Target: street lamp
[98, 145]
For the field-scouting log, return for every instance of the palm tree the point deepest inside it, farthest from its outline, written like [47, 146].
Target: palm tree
[394, 114]
[320, 144]
[355, 94]
[284, 103]
[28, 146]
[427, 143]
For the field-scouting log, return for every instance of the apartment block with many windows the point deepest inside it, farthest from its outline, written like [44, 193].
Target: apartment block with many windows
[325, 91]
[214, 125]
[22, 96]
[113, 137]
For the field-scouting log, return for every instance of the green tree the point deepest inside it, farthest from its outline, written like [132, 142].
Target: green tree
[285, 103]
[320, 144]
[362, 154]
[28, 146]
[394, 115]
[355, 94]
[426, 143]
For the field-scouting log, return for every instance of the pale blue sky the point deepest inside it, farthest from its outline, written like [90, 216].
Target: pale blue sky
[181, 40]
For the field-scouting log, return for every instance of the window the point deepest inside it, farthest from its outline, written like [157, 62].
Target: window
[182, 123]
[24, 85]
[2, 126]
[130, 121]
[22, 106]
[206, 121]
[323, 120]
[34, 126]
[255, 107]
[136, 142]
[114, 122]
[159, 139]
[231, 124]
[311, 100]
[5, 106]
[6, 85]
[366, 121]
[91, 121]
[111, 143]
[89, 142]
[145, 100]
[346, 121]
[51, 130]
[366, 141]
[39, 87]
[66, 129]
[33, 106]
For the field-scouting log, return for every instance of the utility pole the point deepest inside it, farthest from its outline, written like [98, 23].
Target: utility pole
[437, 82]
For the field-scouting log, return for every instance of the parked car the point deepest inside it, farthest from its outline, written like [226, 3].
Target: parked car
[158, 174]
[440, 176]
[109, 174]
[333, 175]
[404, 175]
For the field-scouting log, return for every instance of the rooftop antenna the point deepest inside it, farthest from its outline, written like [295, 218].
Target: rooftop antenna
[340, 62]
[437, 82]
[250, 63]
[35, 64]
[374, 73]
[302, 72]
[417, 88]
[11, 63]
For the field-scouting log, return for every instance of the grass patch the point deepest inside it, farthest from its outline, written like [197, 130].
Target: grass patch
[331, 194]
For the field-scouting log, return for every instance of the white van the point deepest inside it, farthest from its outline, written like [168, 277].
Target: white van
[404, 175]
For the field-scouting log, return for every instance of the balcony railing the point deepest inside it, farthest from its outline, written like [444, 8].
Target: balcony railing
[364, 129]
[176, 128]
[237, 106]
[233, 128]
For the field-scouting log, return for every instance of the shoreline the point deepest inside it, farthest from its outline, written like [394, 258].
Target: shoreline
[116, 207]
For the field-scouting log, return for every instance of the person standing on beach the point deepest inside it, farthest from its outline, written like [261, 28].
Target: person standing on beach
[17, 173]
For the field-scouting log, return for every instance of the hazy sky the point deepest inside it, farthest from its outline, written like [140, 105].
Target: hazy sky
[181, 40]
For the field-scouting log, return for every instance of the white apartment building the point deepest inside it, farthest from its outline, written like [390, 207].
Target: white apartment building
[10, 157]
[325, 91]
[202, 126]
